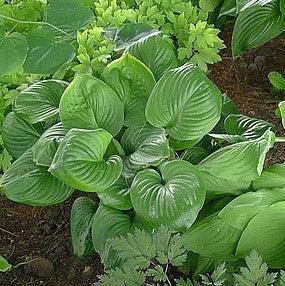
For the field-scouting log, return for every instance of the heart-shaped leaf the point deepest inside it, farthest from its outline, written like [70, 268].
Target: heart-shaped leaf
[171, 196]
[45, 148]
[82, 212]
[144, 146]
[133, 82]
[257, 25]
[185, 102]
[14, 46]
[46, 53]
[80, 160]
[18, 135]
[40, 101]
[27, 183]
[89, 103]
[117, 196]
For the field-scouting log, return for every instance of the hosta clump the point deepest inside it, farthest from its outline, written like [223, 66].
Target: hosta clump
[123, 136]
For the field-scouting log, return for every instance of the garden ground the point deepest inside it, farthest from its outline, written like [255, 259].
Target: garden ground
[38, 240]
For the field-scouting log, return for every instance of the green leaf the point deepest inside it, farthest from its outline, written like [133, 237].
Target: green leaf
[281, 109]
[45, 148]
[266, 234]
[4, 264]
[229, 8]
[46, 53]
[242, 128]
[117, 196]
[194, 155]
[211, 235]
[277, 80]
[40, 101]
[27, 183]
[185, 102]
[144, 146]
[171, 196]
[80, 160]
[133, 82]
[82, 212]
[255, 26]
[282, 7]
[68, 15]
[245, 4]
[232, 162]
[89, 103]
[13, 48]
[18, 135]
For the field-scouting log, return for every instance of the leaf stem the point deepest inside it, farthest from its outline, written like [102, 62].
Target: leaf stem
[37, 23]
[280, 139]
[165, 272]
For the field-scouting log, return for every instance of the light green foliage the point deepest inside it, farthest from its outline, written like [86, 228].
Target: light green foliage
[277, 80]
[4, 264]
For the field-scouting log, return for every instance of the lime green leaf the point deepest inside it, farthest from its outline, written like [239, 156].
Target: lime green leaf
[82, 212]
[133, 82]
[27, 183]
[117, 196]
[272, 177]
[68, 15]
[144, 146]
[18, 135]
[277, 80]
[185, 102]
[40, 101]
[89, 103]
[4, 264]
[80, 160]
[46, 54]
[45, 148]
[172, 196]
[13, 48]
[220, 163]
[257, 25]
[266, 234]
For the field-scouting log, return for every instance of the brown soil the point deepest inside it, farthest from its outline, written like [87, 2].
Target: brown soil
[37, 240]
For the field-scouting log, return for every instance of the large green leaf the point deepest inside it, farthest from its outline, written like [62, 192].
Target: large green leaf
[40, 101]
[4, 264]
[242, 128]
[241, 161]
[149, 46]
[229, 8]
[257, 25]
[185, 102]
[171, 196]
[68, 15]
[117, 196]
[144, 146]
[13, 48]
[266, 234]
[82, 212]
[133, 82]
[18, 135]
[46, 53]
[282, 7]
[277, 80]
[27, 183]
[45, 148]
[89, 103]
[245, 4]
[80, 160]
[272, 177]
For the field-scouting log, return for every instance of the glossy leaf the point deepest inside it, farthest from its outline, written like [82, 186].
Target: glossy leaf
[277, 80]
[144, 146]
[27, 183]
[82, 212]
[13, 48]
[45, 148]
[257, 25]
[133, 82]
[171, 196]
[185, 102]
[40, 101]
[89, 103]
[68, 15]
[80, 160]
[117, 196]
[46, 53]
[18, 135]
[220, 163]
